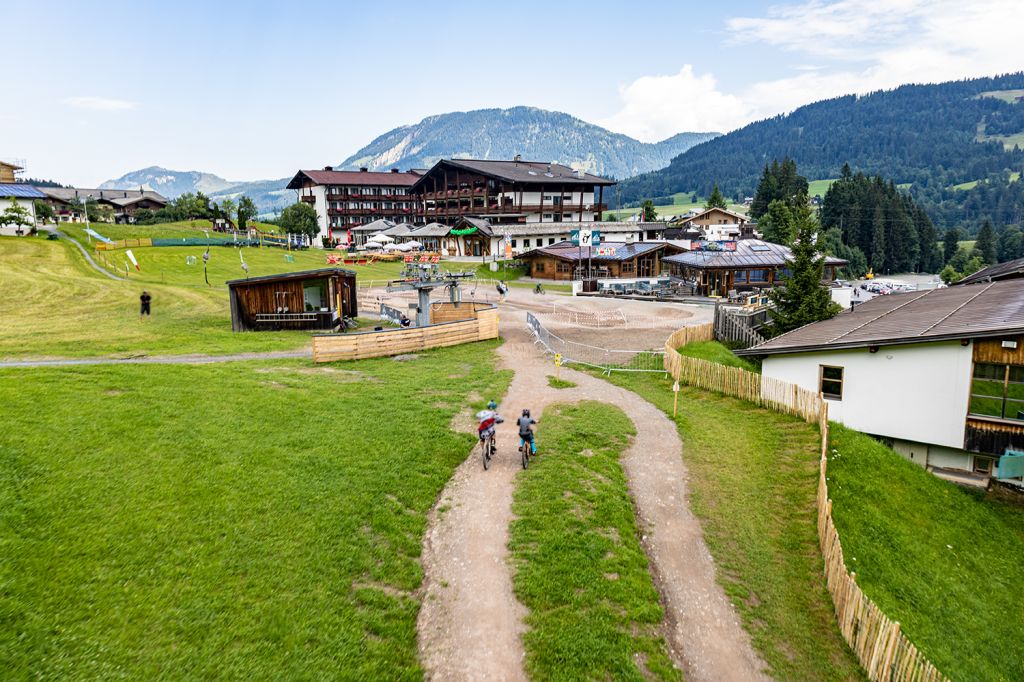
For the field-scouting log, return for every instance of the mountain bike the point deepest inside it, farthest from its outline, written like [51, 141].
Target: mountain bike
[524, 452]
[539, 289]
[487, 449]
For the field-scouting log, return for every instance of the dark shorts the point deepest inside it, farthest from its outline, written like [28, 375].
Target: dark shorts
[143, 309]
[528, 437]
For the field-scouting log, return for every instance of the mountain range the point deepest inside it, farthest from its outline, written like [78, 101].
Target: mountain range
[958, 147]
[536, 134]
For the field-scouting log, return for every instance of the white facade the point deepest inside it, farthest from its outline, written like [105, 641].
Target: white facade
[12, 230]
[916, 392]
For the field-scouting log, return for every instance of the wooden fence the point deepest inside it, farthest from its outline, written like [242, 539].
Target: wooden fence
[732, 327]
[881, 647]
[123, 244]
[359, 345]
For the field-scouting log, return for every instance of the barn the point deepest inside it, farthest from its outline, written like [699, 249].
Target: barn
[309, 299]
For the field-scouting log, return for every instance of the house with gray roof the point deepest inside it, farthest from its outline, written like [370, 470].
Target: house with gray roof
[939, 374]
[67, 202]
[22, 195]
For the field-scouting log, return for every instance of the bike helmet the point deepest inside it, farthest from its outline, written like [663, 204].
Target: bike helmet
[492, 405]
[526, 413]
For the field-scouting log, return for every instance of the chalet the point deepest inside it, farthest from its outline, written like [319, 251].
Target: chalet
[67, 202]
[25, 196]
[1013, 269]
[567, 261]
[939, 374]
[309, 299]
[716, 268]
[718, 224]
[508, 192]
[348, 199]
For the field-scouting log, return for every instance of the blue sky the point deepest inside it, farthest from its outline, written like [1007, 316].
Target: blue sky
[256, 90]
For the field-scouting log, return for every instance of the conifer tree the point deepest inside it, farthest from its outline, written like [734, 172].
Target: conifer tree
[802, 299]
[716, 200]
[950, 244]
[878, 241]
[776, 224]
[987, 243]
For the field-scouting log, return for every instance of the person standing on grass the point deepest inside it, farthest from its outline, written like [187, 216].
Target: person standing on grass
[144, 304]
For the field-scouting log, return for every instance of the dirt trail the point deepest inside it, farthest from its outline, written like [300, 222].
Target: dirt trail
[470, 624]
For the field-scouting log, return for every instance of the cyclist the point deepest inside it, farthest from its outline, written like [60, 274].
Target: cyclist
[539, 289]
[525, 432]
[488, 418]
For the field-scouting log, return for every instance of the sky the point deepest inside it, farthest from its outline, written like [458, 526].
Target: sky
[256, 90]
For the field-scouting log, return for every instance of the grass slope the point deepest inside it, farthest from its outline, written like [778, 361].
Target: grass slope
[714, 351]
[580, 569]
[54, 304]
[942, 560]
[753, 476]
[243, 521]
[183, 228]
[681, 204]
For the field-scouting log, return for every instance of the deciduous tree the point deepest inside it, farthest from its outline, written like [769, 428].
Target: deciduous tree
[300, 218]
[246, 211]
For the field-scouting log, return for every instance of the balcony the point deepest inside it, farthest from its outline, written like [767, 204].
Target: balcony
[308, 198]
[993, 436]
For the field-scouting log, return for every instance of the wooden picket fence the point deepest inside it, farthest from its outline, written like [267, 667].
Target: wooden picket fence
[883, 650]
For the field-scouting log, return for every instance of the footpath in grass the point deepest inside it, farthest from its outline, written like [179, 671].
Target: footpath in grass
[944, 561]
[580, 569]
[753, 479]
[245, 521]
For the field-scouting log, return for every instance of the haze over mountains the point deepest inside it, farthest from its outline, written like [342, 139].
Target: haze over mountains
[536, 134]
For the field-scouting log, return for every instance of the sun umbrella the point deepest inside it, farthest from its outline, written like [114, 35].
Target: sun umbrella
[381, 237]
[414, 244]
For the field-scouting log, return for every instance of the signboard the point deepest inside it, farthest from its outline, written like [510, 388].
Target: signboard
[584, 237]
[558, 359]
[605, 251]
[703, 245]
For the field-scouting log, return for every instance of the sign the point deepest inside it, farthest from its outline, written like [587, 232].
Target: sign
[675, 387]
[606, 251]
[704, 245]
[558, 359]
[507, 237]
[508, 249]
[584, 237]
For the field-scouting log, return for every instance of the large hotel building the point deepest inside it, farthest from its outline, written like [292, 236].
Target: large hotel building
[503, 192]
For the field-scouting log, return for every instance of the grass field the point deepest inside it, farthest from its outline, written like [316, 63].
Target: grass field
[1014, 177]
[55, 305]
[1009, 96]
[819, 187]
[184, 228]
[714, 351]
[942, 560]
[753, 480]
[580, 569]
[245, 521]
[681, 205]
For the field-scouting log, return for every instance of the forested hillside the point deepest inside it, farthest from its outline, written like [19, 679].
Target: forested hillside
[931, 137]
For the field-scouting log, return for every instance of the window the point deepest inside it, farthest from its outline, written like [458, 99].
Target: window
[830, 382]
[563, 267]
[628, 266]
[998, 391]
[983, 465]
[551, 240]
[758, 275]
[513, 243]
[526, 243]
[538, 267]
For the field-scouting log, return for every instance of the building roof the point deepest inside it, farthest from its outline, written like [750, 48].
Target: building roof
[993, 309]
[571, 252]
[749, 253]
[530, 229]
[525, 172]
[21, 191]
[360, 177]
[1007, 270]
[119, 197]
[299, 274]
[430, 230]
[739, 216]
[378, 225]
[400, 229]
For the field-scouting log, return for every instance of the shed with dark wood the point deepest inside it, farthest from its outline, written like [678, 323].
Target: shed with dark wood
[308, 299]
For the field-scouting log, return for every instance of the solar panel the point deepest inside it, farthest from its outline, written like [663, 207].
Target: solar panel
[760, 247]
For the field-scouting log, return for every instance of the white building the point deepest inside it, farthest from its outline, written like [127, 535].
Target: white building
[24, 196]
[939, 374]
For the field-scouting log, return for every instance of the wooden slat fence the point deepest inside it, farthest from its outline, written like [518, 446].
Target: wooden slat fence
[881, 647]
[360, 345]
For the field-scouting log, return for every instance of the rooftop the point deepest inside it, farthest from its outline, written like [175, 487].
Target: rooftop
[748, 253]
[529, 172]
[120, 197]
[21, 191]
[621, 251]
[1012, 268]
[299, 274]
[370, 178]
[979, 310]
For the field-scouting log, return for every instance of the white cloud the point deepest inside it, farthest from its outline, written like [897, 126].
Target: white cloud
[857, 46]
[656, 107]
[100, 103]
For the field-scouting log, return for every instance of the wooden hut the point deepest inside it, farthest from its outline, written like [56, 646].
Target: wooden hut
[309, 299]
[567, 261]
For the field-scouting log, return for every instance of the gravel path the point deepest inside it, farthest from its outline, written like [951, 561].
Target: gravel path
[161, 359]
[88, 257]
[470, 624]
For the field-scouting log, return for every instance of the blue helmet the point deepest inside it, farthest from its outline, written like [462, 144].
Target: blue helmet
[492, 405]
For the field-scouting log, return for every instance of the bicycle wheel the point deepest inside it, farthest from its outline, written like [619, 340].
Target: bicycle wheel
[525, 450]
[485, 453]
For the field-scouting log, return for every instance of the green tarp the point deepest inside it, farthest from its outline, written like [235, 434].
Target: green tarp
[1011, 465]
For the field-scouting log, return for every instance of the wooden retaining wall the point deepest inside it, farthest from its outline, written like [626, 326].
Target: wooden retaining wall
[359, 345]
[449, 312]
[883, 650]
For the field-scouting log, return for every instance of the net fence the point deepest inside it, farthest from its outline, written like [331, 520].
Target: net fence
[606, 359]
